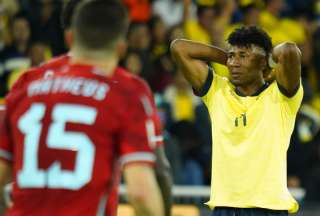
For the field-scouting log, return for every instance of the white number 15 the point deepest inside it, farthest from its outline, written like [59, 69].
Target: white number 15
[31, 176]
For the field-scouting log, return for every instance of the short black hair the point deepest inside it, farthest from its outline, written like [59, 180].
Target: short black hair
[67, 12]
[250, 35]
[97, 24]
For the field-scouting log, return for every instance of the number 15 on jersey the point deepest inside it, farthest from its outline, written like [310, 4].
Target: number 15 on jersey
[31, 176]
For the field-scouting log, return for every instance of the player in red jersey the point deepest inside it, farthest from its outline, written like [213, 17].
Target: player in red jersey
[153, 127]
[66, 128]
[162, 166]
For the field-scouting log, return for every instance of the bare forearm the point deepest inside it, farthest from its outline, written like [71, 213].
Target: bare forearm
[143, 191]
[143, 210]
[191, 57]
[150, 205]
[198, 51]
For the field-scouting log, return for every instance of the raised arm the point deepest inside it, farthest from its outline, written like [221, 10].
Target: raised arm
[288, 70]
[192, 57]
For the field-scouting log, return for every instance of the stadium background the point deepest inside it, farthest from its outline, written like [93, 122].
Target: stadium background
[31, 32]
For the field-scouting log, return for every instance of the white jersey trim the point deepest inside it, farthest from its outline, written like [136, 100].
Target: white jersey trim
[138, 157]
[157, 139]
[102, 205]
[147, 105]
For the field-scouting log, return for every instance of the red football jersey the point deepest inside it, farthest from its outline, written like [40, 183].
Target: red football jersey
[154, 126]
[65, 129]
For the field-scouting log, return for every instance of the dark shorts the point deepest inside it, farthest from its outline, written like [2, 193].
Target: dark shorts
[226, 211]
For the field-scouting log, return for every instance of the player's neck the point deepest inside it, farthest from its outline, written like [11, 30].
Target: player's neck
[108, 62]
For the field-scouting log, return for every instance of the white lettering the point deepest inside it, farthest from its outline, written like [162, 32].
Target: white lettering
[57, 85]
[67, 85]
[34, 88]
[74, 86]
[46, 86]
[101, 92]
[89, 88]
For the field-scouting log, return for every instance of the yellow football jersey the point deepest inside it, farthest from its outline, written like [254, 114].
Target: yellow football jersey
[251, 136]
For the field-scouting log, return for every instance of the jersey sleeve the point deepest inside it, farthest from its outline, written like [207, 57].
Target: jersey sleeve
[157, 135]
[290, 105]
[6, 149]
[155, 131]
[213, 83]
[6, 145]
[136, 144]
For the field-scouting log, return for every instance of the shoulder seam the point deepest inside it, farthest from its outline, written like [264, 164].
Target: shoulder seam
[205, 88]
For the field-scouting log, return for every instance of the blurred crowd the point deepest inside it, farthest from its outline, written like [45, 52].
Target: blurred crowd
[31, 32]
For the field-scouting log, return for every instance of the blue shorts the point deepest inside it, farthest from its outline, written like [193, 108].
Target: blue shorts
[227, 211]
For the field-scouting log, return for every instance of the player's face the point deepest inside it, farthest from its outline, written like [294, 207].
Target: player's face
[245, 65]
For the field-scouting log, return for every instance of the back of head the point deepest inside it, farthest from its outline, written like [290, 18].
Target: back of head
[99, 24]
[67, 12]
[247, 36]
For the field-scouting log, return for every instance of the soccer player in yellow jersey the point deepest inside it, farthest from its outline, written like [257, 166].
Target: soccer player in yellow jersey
[252, 120]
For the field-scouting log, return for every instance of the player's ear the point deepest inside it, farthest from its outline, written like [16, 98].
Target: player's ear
[121, 48]
[68, 37]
